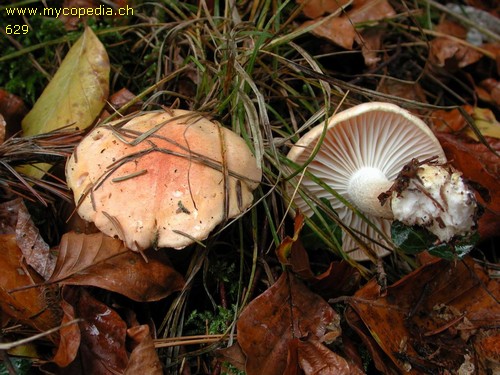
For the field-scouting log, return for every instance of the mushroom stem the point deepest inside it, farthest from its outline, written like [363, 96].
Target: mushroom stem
[365, 186]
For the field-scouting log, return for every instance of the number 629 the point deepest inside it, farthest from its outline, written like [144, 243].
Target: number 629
[16, 29]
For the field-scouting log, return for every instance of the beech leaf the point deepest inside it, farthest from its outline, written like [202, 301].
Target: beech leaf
[105, 262]
[437, 308]
[317, 359]
[144, 357]
[76, 94]
[69, 342]
[102, 349]
[286, 311]
[30, 306]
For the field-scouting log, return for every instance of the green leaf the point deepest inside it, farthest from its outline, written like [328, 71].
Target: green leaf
[456, 249]
[21, 365]
[320, 222]
[414, 240]
[411, 240]
[76, 94]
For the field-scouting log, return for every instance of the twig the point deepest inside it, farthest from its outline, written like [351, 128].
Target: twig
[10, 345]
[189, 340]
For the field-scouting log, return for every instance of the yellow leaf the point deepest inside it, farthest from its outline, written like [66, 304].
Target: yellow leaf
[76, 94]
[486, 123]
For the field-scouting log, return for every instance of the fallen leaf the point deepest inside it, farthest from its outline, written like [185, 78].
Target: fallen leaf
[287, 310]
[436, 308]
[72, 22]
[35, 250]
[453, 121]
[487, 347]
[3, 129]
[447, 52]
[102, 349]
[144, 358]
[451, 28]
[36, 306]
[76, 94]
[119, 99]
[69, 337]
[380, 359]
[13, 109]
[492, 89]
[370, 41]
[450, 121]
[341, 30]
[402, 89]
[317, 359]
[316, 8]
[340, 279]
[105, 262]
[479, 166]
[486, 123]
[233, 355]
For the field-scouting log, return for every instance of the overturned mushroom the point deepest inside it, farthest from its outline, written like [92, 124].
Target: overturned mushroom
[363, 157]
[164, 179]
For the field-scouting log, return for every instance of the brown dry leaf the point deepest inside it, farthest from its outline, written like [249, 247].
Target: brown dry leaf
[341, 31]
[454, 122]
[435, 309]
[370, 41]
[487, 347]
[3, 129]
[402, 89]
[117, 100]
[71, 22]
[448, 53]
[317, 359]
[35, 250]
[480, 166]
[380, 359]
[316, 8]
[287, 310]
[233, 355]
[450, 121]
[69, 337]
[13, 109]
[102, 349]
[105, 262]
[339, 279]
[33, 306]
[144, 358]
[451, 28]
[491, 89]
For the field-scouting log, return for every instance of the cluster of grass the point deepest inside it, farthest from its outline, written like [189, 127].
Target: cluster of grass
[248, 65]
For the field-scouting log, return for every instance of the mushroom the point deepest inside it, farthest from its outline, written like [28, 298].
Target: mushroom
[379, 156]
[164, 179]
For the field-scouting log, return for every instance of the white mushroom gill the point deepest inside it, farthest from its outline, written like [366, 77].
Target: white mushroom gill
[363, 151]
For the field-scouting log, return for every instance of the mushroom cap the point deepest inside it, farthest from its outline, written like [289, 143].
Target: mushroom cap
[164, 179]
[380, 137]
